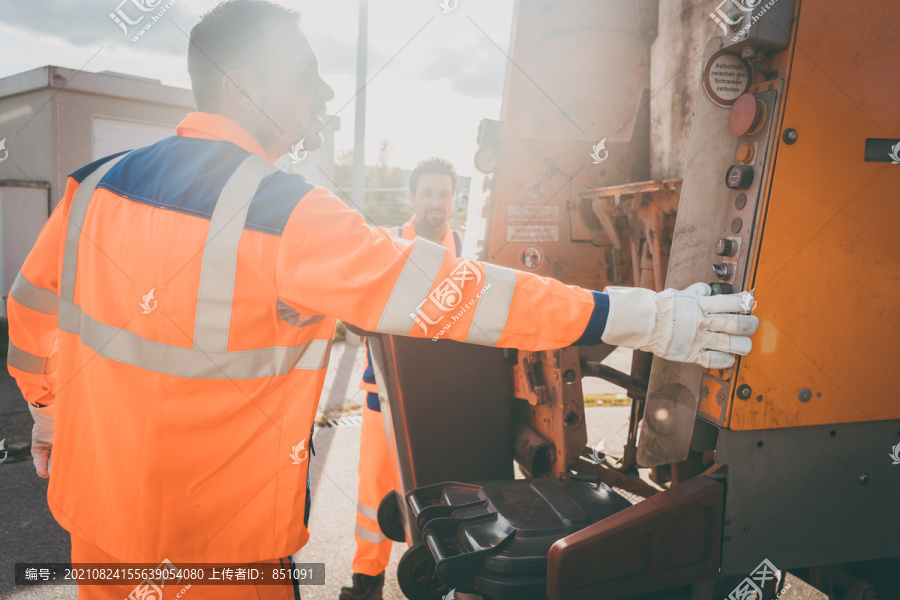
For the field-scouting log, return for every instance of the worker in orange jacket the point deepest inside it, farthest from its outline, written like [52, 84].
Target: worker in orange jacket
[171, 327]
[432, 186]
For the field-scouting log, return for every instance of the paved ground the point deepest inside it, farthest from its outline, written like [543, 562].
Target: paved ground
[29, 533]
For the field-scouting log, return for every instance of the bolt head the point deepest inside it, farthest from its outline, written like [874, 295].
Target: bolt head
[862, 478]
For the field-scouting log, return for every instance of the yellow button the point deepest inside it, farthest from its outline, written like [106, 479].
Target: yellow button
[745, 153]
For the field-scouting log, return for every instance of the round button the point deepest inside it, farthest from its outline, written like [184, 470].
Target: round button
[740, 201]
[739, 177]
[744, 114]
[745, 153]
[736, 225]
[725, 247]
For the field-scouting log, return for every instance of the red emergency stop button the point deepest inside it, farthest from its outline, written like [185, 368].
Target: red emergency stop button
[745, 114]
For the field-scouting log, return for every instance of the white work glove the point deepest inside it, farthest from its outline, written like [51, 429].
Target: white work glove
[684, 326]
[42, 438]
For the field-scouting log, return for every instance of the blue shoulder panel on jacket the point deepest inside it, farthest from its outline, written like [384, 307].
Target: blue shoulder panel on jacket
[187, 175]
[275, 199]
[79, 174]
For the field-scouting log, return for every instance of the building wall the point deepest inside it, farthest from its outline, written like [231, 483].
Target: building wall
[25, 124]
[73, 113]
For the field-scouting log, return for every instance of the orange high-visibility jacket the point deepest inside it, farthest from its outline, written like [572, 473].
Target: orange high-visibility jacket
[407, 231]
[178, 309]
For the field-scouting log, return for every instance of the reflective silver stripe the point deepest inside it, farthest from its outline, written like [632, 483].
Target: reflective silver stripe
[25, 361]
[367, 511]
[36, 298]
[127, 347]
[416, 279]
[369, 536]
[493, 306]
[76, 220]
[217, 271]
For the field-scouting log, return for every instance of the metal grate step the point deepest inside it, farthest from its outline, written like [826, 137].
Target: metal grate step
[351, 421]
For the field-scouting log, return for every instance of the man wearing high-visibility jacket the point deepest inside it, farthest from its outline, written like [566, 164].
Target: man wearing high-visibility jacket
[432, 185]
[171, 327]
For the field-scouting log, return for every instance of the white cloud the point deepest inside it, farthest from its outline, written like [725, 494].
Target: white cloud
[426, 100]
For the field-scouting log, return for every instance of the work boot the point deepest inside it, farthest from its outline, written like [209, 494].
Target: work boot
[365, 587]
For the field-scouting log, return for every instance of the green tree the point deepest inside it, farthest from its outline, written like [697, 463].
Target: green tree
[387, 202]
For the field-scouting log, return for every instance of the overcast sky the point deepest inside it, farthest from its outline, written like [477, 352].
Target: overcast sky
[434, 74]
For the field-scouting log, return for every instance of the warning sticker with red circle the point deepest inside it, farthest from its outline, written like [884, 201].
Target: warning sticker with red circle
[531, 257]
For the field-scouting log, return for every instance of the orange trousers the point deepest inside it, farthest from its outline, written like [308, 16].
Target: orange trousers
[376, 479]
[84, 551]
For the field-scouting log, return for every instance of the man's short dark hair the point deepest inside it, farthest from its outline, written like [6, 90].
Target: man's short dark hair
[219, 42]
[436, 166]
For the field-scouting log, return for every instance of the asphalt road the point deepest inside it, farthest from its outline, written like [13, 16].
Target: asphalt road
[29, 533]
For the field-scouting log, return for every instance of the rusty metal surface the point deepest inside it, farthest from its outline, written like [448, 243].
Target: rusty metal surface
[674, 391]
[559, 417]
[555, 110]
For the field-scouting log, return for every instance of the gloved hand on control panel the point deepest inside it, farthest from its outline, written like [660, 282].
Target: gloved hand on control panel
[685, 326]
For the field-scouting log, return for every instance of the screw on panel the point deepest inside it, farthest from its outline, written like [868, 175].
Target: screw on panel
[863, 478]
[744, 391]
[759, 398]
[790, 136]
[569, 376]
[805, 395]
[747, 529]
[728, 521]
[727, 538]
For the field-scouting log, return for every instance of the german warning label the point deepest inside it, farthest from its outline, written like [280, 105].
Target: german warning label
[523, 213]
[532, 233]
[727, 76]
